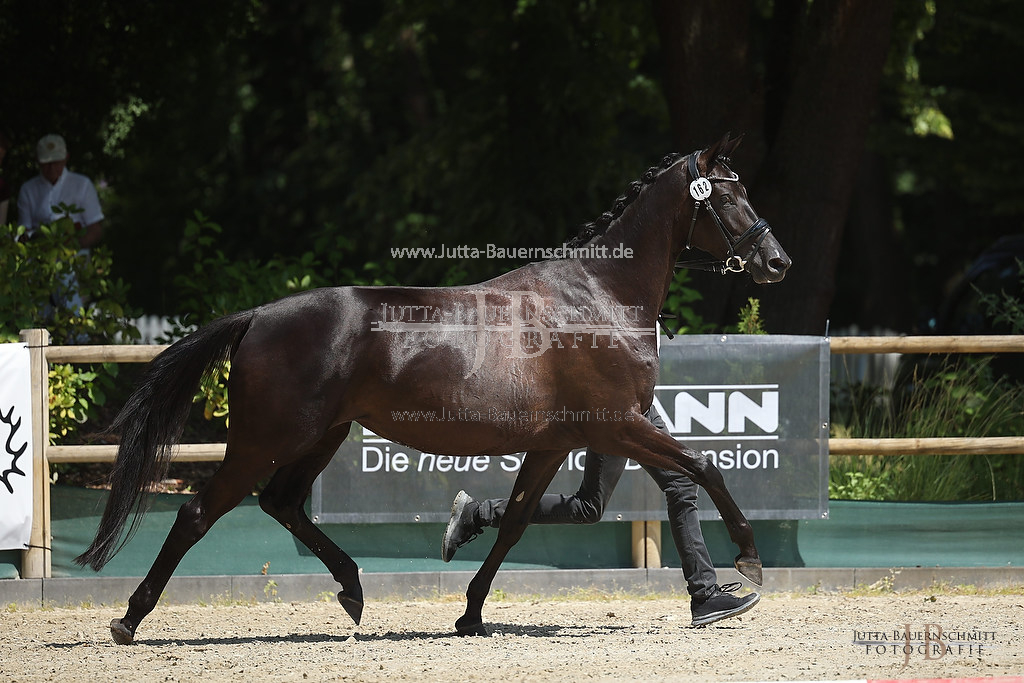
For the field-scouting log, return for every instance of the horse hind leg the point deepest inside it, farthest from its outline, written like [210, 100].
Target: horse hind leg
[536, 473]
[226, 489]
[284, 499]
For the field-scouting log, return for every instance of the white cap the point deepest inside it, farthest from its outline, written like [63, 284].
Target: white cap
[51, 148]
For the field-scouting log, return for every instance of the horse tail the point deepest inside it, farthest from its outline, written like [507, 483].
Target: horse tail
[151, 423]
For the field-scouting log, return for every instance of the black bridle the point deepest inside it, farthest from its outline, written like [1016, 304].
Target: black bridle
[700, 190]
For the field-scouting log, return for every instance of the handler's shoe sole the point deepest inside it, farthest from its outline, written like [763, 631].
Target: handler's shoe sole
[461, 527]
[720, 606]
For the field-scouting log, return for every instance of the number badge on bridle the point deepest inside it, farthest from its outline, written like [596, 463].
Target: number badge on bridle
[700, 189]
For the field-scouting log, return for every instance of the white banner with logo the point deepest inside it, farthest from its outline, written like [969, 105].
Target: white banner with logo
[16, 451]
[757, 405]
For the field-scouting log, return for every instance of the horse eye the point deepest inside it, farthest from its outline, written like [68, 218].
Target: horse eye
[727, 200]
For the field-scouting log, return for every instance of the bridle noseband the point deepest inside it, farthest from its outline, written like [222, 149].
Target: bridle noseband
[700, 190]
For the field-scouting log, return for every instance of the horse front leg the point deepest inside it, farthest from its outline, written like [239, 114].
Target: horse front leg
[538, 470]
[646, 444]
[705, 474]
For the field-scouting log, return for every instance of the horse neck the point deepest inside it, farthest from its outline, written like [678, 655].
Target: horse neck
[652, 227]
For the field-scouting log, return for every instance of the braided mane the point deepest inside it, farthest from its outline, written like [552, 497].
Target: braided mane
[598, 227]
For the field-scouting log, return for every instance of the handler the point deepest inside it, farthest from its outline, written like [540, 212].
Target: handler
[709, 601]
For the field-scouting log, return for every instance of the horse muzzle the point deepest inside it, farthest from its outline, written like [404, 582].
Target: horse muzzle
[769, 264]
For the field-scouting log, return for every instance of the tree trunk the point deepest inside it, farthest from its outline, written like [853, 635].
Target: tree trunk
[822, 105]
[709, 84]
[874, 267]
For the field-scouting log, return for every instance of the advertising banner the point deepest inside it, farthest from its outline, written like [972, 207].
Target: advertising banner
[757, 405]
[16, 454]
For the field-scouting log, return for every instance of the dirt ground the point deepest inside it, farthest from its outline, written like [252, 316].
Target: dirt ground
[786, 637]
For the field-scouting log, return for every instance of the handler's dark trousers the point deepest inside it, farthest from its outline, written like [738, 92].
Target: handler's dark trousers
[600, 475]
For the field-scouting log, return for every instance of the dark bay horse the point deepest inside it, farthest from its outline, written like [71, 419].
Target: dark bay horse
[510, 358]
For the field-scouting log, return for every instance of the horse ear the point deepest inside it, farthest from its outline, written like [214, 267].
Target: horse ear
[722, 148]
[729, 146]
[712, 152]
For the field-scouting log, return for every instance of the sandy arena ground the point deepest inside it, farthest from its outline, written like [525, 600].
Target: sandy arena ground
[786, 637]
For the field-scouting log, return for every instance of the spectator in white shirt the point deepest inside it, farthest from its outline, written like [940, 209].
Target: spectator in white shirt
[39, 197]
[39, 203]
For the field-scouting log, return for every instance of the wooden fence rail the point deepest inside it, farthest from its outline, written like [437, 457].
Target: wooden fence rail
[36, 561]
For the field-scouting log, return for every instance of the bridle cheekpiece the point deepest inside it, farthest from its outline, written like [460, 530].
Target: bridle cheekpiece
[701, 189]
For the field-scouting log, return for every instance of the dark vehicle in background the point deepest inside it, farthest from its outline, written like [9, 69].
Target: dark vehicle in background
[996, 272]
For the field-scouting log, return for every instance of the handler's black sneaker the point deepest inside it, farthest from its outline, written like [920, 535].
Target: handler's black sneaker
[721, 605]
[462, 527]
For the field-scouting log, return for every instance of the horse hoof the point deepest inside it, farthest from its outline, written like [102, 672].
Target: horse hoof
[352, 605]
[470, 627]
[121, 634]
[749, 567]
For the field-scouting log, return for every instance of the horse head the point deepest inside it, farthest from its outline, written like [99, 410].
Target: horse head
[724, 224]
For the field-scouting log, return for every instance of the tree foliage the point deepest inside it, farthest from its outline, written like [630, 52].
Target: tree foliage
[398, 124]
[876, 131]
[38, 276]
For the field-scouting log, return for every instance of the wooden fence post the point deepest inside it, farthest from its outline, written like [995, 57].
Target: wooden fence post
[647, 544]
[35, 562]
